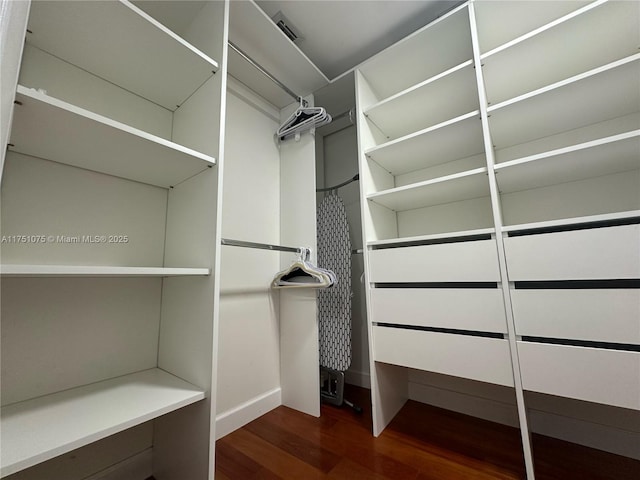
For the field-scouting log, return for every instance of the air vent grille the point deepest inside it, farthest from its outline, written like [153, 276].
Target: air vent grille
[287, 28]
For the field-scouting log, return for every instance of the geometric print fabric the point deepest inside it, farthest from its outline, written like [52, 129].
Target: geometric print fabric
[334, 303]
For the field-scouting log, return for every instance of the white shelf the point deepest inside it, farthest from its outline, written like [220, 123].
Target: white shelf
[557, 51]
[452, 188]
[48, 128]
[601, 94]
[447, 95]
[618, 153]
[42, 428]
[573, 221]
[452, 140]
[96, 271]
[501, 23]
[141, 55]
[435, 236]
[435, 48]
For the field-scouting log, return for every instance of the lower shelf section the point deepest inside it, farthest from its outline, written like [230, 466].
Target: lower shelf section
[478, 358]
[42, 428]
[610, 377]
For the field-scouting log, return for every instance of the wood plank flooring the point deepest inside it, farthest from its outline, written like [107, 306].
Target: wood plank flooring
[422, 443]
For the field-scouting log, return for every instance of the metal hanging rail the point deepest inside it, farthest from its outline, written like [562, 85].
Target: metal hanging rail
[261, 246]
[261, 69]
[355, 178]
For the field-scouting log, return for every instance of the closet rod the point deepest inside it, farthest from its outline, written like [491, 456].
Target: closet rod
[344, 114]
[261, 246]
[261, 69]
[355, 178]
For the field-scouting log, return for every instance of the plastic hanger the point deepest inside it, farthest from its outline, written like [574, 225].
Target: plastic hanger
[302, 274]
[303, 119]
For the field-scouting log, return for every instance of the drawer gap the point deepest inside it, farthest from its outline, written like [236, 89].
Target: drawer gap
[435, 285]
[433, 241]
[583, 343]
[454, 331]
[577, 226]
[577, 284]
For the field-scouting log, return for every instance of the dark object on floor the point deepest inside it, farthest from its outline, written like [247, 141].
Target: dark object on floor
[332, 389]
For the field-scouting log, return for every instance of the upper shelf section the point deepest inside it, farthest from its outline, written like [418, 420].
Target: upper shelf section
[436, 48]
[500, 22]
[162, 67]
[562, 48]
[48, 128]
[445, 96]
[596, 96]
[251, 30]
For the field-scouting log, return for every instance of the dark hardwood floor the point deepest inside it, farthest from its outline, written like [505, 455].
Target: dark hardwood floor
[422, 443]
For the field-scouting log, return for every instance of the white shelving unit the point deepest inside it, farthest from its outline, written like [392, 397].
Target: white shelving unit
[422, 136]
[111, 322]
[97, 143]
[97, 410]
[536, 154]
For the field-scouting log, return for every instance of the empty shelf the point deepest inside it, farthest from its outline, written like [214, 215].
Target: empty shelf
[605, 156]
[163, 68]
[42, 428]
[49, 128]
[601, 94]
[430, 238]
[96, 271]
[435, 100]
[559, 52]
[452, 188]
[452, 140]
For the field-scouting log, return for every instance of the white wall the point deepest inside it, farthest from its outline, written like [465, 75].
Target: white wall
[249, 347]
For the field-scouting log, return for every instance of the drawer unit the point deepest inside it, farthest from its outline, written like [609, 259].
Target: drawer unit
[610, 377]
[477, 358]
[479, 309]
[593, 315]
[599, 253]
[475, 261]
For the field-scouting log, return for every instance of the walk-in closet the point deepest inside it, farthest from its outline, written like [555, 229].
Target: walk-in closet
[282, 239]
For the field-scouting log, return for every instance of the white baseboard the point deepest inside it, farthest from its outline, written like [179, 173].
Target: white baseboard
[227, 422]
[138, 467]
[360, 379]
[613, 439]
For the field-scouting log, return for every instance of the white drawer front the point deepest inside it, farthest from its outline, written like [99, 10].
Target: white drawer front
[599, 253]
[597, 315]
[477, 358]
[448, 262]
[463, 309]
[596, 375]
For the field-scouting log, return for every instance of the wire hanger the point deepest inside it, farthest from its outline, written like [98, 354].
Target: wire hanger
[303, 274]
[303, 119]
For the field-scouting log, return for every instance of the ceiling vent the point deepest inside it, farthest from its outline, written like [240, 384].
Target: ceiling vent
[287, 28]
